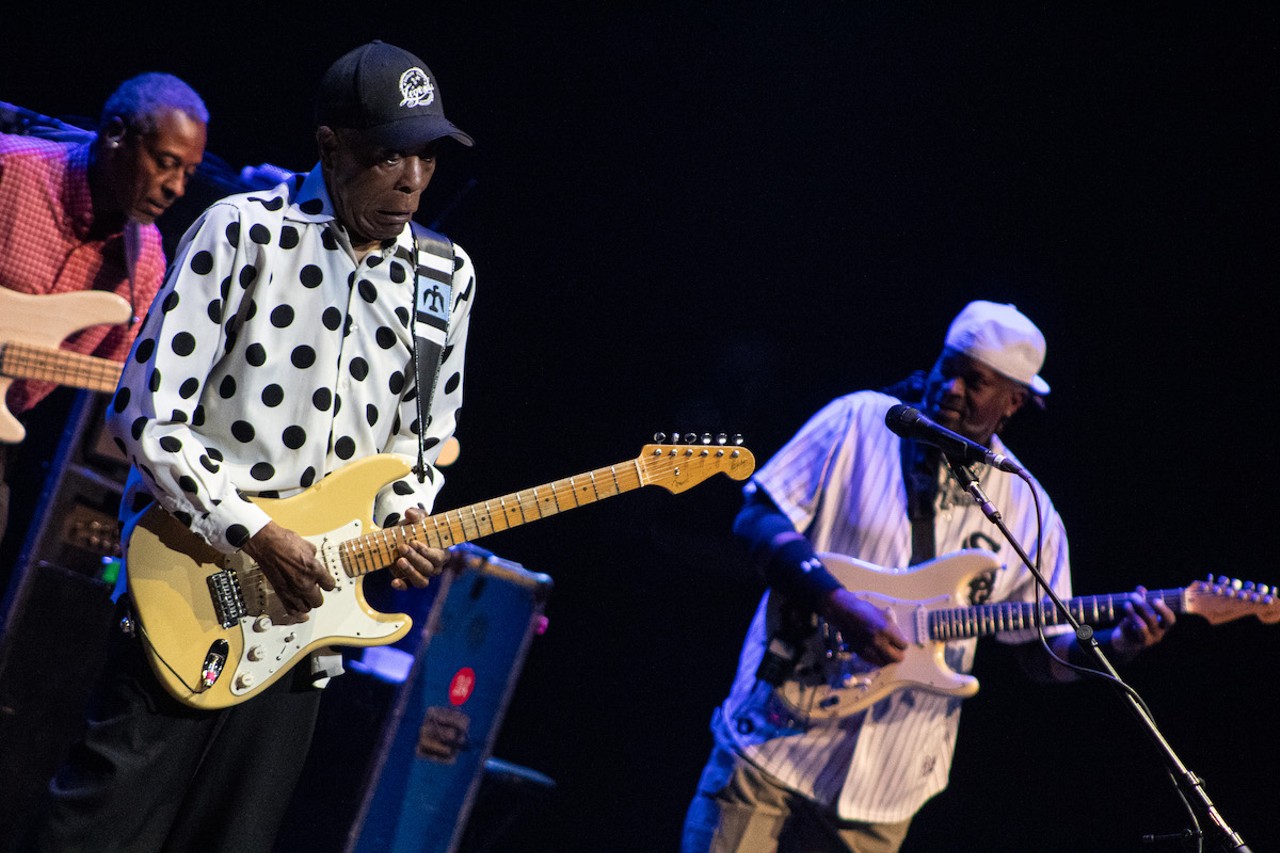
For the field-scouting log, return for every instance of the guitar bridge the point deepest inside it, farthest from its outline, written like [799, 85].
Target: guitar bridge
[228, 599]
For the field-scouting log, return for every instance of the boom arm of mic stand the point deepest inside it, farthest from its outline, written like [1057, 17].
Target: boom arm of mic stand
[1084, 636]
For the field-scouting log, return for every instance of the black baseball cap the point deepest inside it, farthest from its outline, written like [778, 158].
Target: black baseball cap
[386, 93]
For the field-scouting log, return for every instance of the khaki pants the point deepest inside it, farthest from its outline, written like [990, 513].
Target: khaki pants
[739, 809]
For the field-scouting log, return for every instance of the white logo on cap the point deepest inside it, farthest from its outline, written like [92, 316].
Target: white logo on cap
[416, 89]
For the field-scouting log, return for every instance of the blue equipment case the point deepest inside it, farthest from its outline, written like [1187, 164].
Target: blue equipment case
[440, 732]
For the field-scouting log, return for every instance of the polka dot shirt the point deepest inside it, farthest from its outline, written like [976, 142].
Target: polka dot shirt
[271, 358]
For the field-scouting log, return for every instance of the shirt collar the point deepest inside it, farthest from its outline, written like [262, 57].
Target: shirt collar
[311, 203]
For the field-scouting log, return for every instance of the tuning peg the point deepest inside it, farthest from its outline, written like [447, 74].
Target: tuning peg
[706, 438]
[690, 437]
[659, 438]
[737, 438]
[721, 438]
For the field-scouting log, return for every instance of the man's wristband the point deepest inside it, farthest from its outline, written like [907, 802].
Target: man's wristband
[795, 570]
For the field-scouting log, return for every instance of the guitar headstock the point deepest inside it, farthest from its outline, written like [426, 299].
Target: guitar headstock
[1223, 599]
[677, 467]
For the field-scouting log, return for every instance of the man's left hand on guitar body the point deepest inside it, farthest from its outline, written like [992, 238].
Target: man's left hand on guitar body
[418, 562]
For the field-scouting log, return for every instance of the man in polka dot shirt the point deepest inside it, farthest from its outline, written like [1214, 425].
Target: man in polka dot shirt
[280, 348]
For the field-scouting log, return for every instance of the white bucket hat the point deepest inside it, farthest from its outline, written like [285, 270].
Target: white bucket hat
[1001, 337]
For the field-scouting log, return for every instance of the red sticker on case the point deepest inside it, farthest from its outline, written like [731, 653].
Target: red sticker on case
[464, 681]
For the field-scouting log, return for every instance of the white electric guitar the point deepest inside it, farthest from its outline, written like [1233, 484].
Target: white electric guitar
[32, 327]
[214, 630]
[929, 604]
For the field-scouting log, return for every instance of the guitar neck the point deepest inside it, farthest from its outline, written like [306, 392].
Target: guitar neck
[986, 619]
[372, 551]
[28, 361]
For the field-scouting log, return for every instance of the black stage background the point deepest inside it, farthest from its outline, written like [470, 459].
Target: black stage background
[717, 219]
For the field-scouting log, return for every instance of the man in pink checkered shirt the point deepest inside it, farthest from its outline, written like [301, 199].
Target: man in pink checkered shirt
[80, 215]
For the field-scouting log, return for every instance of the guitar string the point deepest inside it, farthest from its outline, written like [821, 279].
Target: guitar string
[50, 365]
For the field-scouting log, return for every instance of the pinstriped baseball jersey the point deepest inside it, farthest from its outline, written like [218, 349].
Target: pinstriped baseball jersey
[840, 481]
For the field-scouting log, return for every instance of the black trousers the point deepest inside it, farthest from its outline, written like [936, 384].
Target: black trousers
[152, 774]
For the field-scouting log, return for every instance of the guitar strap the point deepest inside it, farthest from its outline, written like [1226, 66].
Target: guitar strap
[433, 261]
[920, 474]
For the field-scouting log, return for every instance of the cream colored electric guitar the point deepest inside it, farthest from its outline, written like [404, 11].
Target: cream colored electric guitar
[929, 603]
[32, 327]
[213, 629]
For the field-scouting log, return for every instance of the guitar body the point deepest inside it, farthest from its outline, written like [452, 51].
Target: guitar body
[829, 683]
[46, 321]
[169, 572]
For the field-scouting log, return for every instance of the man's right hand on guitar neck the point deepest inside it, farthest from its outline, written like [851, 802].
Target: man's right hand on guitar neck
[290, 564]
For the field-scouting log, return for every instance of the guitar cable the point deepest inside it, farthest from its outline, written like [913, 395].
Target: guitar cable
[142, 637]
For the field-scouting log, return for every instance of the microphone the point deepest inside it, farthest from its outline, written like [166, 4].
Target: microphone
[909, 422]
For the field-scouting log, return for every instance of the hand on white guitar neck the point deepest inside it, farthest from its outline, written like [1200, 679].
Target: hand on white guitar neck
[1144, 625]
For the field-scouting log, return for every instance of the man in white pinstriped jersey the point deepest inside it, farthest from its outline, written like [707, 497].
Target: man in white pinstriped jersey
[780, 778]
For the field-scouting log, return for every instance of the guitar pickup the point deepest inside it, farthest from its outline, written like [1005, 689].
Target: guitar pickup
[227, 597]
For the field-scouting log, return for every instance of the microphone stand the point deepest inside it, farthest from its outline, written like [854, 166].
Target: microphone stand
[1186, 779]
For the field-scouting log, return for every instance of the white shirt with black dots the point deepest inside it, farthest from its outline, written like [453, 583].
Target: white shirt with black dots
[271, 358]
